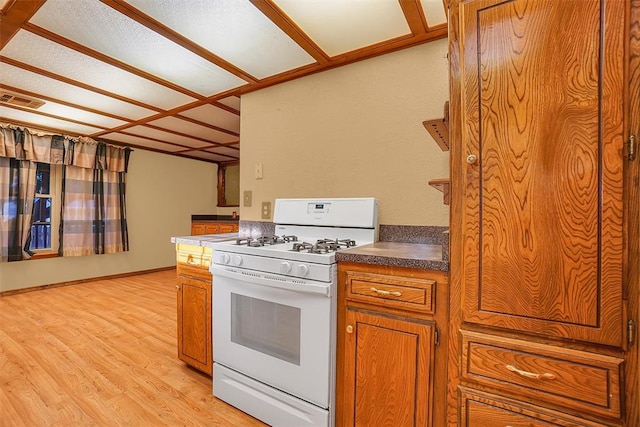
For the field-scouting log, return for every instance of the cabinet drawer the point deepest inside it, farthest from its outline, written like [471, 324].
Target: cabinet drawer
[392, 291]
[482, 411]
[555, 375]
[194, 256]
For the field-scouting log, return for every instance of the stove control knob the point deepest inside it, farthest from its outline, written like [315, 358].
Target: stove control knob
[224, 259]
[303, 270]
[285, 267]
[236, 260]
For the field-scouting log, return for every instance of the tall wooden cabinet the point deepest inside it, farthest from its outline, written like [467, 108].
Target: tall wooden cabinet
[544, 196]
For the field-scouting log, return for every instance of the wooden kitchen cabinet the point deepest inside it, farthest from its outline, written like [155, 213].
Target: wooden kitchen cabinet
[209, 227]
[544, 286]
[387, 345]
[194, 291]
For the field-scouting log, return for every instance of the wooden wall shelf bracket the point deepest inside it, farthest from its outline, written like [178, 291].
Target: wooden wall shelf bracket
[439, 129]
[442, 184]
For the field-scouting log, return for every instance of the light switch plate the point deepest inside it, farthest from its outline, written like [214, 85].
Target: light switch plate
[246, 199]
[266, 210]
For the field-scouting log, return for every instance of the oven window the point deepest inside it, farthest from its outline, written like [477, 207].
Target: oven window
[267, 327]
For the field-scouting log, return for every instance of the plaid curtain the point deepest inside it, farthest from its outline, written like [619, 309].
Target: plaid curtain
[93, 193]
[94, 212]
[17, 191]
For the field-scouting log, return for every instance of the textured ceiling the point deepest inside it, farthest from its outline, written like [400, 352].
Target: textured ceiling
[168, 75]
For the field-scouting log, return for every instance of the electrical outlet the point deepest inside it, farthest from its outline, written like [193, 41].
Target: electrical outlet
[246, 200]
[266, 210]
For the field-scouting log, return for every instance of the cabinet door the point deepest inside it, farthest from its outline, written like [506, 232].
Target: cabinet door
[197, 228]
[211, 228]
[194, 323]
[226, 227]
[388, 370]
[542, 216]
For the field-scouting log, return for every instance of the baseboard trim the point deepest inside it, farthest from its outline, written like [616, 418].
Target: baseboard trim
[77, 282]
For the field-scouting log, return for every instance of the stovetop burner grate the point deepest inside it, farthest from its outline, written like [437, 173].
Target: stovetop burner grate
[323, 246]
[265, 240]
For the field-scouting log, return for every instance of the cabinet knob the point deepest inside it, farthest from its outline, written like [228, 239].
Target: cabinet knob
[472, 159]
[349, 329]
[177, 286]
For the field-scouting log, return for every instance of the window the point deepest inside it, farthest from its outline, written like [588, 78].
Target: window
[46, 209]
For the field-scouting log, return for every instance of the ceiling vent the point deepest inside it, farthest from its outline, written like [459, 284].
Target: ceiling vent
[20, 100]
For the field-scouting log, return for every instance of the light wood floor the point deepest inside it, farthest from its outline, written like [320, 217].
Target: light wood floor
[102, 353]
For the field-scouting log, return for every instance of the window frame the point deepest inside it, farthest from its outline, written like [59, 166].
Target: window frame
[55, 195]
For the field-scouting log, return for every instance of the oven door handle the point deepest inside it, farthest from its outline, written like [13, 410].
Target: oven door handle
[272, 280]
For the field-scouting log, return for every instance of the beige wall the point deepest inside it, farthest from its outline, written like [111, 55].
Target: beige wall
[352, 131]
[162, 193]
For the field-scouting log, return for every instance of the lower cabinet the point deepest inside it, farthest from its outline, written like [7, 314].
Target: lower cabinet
[210, 227]
[388, 370]
[194, 286]
[390, 359]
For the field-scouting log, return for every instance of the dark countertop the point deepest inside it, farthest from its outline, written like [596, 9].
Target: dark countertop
[214, 218]
[399, 254]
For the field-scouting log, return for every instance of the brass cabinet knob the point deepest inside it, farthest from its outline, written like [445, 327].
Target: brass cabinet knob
[349, 329]
[177, 286]
[472, 158]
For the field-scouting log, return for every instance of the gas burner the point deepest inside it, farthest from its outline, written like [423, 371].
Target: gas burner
[302, 247]
[323, 246]
[337, 243]
[265, 240]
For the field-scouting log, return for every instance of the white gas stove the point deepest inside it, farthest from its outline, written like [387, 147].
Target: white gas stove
[274, 310]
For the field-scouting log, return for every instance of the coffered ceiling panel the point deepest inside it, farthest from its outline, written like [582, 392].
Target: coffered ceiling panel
[231, 101]
[178, 125]
[232, 29]
[229, 151]
[47, 55]
[215, 116]
[13, 115]
[206, 155]
[339, 26]
[101, 28]
[185, 141]
[434, 11]
[143, 141]
[17, 79]
[169, 75]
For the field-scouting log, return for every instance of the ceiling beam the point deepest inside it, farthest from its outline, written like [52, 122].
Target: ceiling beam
[278, 17]
[210, 126]
[53, 116]
[414, 15]
[76, 83]
[166, 32]
[210, 100]
[14, 16]
[62, 102]
[56, 38]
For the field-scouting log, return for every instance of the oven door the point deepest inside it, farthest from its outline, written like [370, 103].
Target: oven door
[274, 329]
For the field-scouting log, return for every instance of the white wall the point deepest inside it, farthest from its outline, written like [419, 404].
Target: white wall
[352, 131]
[162, 193]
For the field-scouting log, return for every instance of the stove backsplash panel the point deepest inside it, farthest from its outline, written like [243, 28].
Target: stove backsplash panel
[255, 229]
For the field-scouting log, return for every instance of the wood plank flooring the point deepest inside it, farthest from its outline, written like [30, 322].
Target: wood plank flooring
[102, 353]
